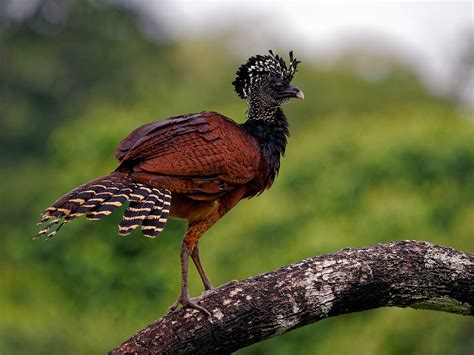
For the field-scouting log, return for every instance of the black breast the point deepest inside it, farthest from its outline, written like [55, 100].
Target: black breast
[272, 135]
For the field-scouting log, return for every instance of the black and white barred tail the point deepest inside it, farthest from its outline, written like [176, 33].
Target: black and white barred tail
[149, 206]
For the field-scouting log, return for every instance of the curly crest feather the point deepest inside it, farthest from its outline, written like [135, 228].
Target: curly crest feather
[263, 65]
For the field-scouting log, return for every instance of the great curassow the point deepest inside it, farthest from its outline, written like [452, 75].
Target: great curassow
[194, 167]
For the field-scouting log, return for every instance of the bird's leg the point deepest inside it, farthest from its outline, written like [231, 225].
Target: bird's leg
[194, 231]
[184, 299]
[200, 269]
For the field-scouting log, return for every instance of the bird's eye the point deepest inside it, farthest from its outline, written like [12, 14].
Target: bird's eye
[278, 85]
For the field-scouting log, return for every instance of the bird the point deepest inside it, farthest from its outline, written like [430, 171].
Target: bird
[195, 167]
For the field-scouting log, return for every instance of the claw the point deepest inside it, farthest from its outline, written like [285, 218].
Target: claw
[208, 292]
[185, 301]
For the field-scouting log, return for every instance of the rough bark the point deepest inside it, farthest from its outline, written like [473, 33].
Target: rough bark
[401, 274]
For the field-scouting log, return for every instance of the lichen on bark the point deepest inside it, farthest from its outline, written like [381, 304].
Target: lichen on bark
[401, 274]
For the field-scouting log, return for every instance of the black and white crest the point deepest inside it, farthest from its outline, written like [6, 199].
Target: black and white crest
[260, 66]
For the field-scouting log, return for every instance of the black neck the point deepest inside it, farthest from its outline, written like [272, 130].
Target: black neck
[270, 127]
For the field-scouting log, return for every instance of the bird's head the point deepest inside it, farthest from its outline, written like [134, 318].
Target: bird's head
[266, 79]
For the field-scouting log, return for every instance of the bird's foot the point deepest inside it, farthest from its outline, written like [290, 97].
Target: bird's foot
[185, 301]
[208, 287]
[207, 291]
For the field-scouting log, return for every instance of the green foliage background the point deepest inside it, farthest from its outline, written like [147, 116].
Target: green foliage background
[369, 161]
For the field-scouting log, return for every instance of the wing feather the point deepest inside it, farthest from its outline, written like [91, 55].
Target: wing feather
[204, 153]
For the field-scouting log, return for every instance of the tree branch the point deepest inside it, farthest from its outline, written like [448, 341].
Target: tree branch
[401, 274]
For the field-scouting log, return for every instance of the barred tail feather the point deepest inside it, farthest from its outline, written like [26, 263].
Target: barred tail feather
[137, 210]
[150, 222]
[99, 198]
[154, 223]
[108, 206]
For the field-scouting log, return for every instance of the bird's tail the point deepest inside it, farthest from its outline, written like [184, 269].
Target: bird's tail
[149, 205]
